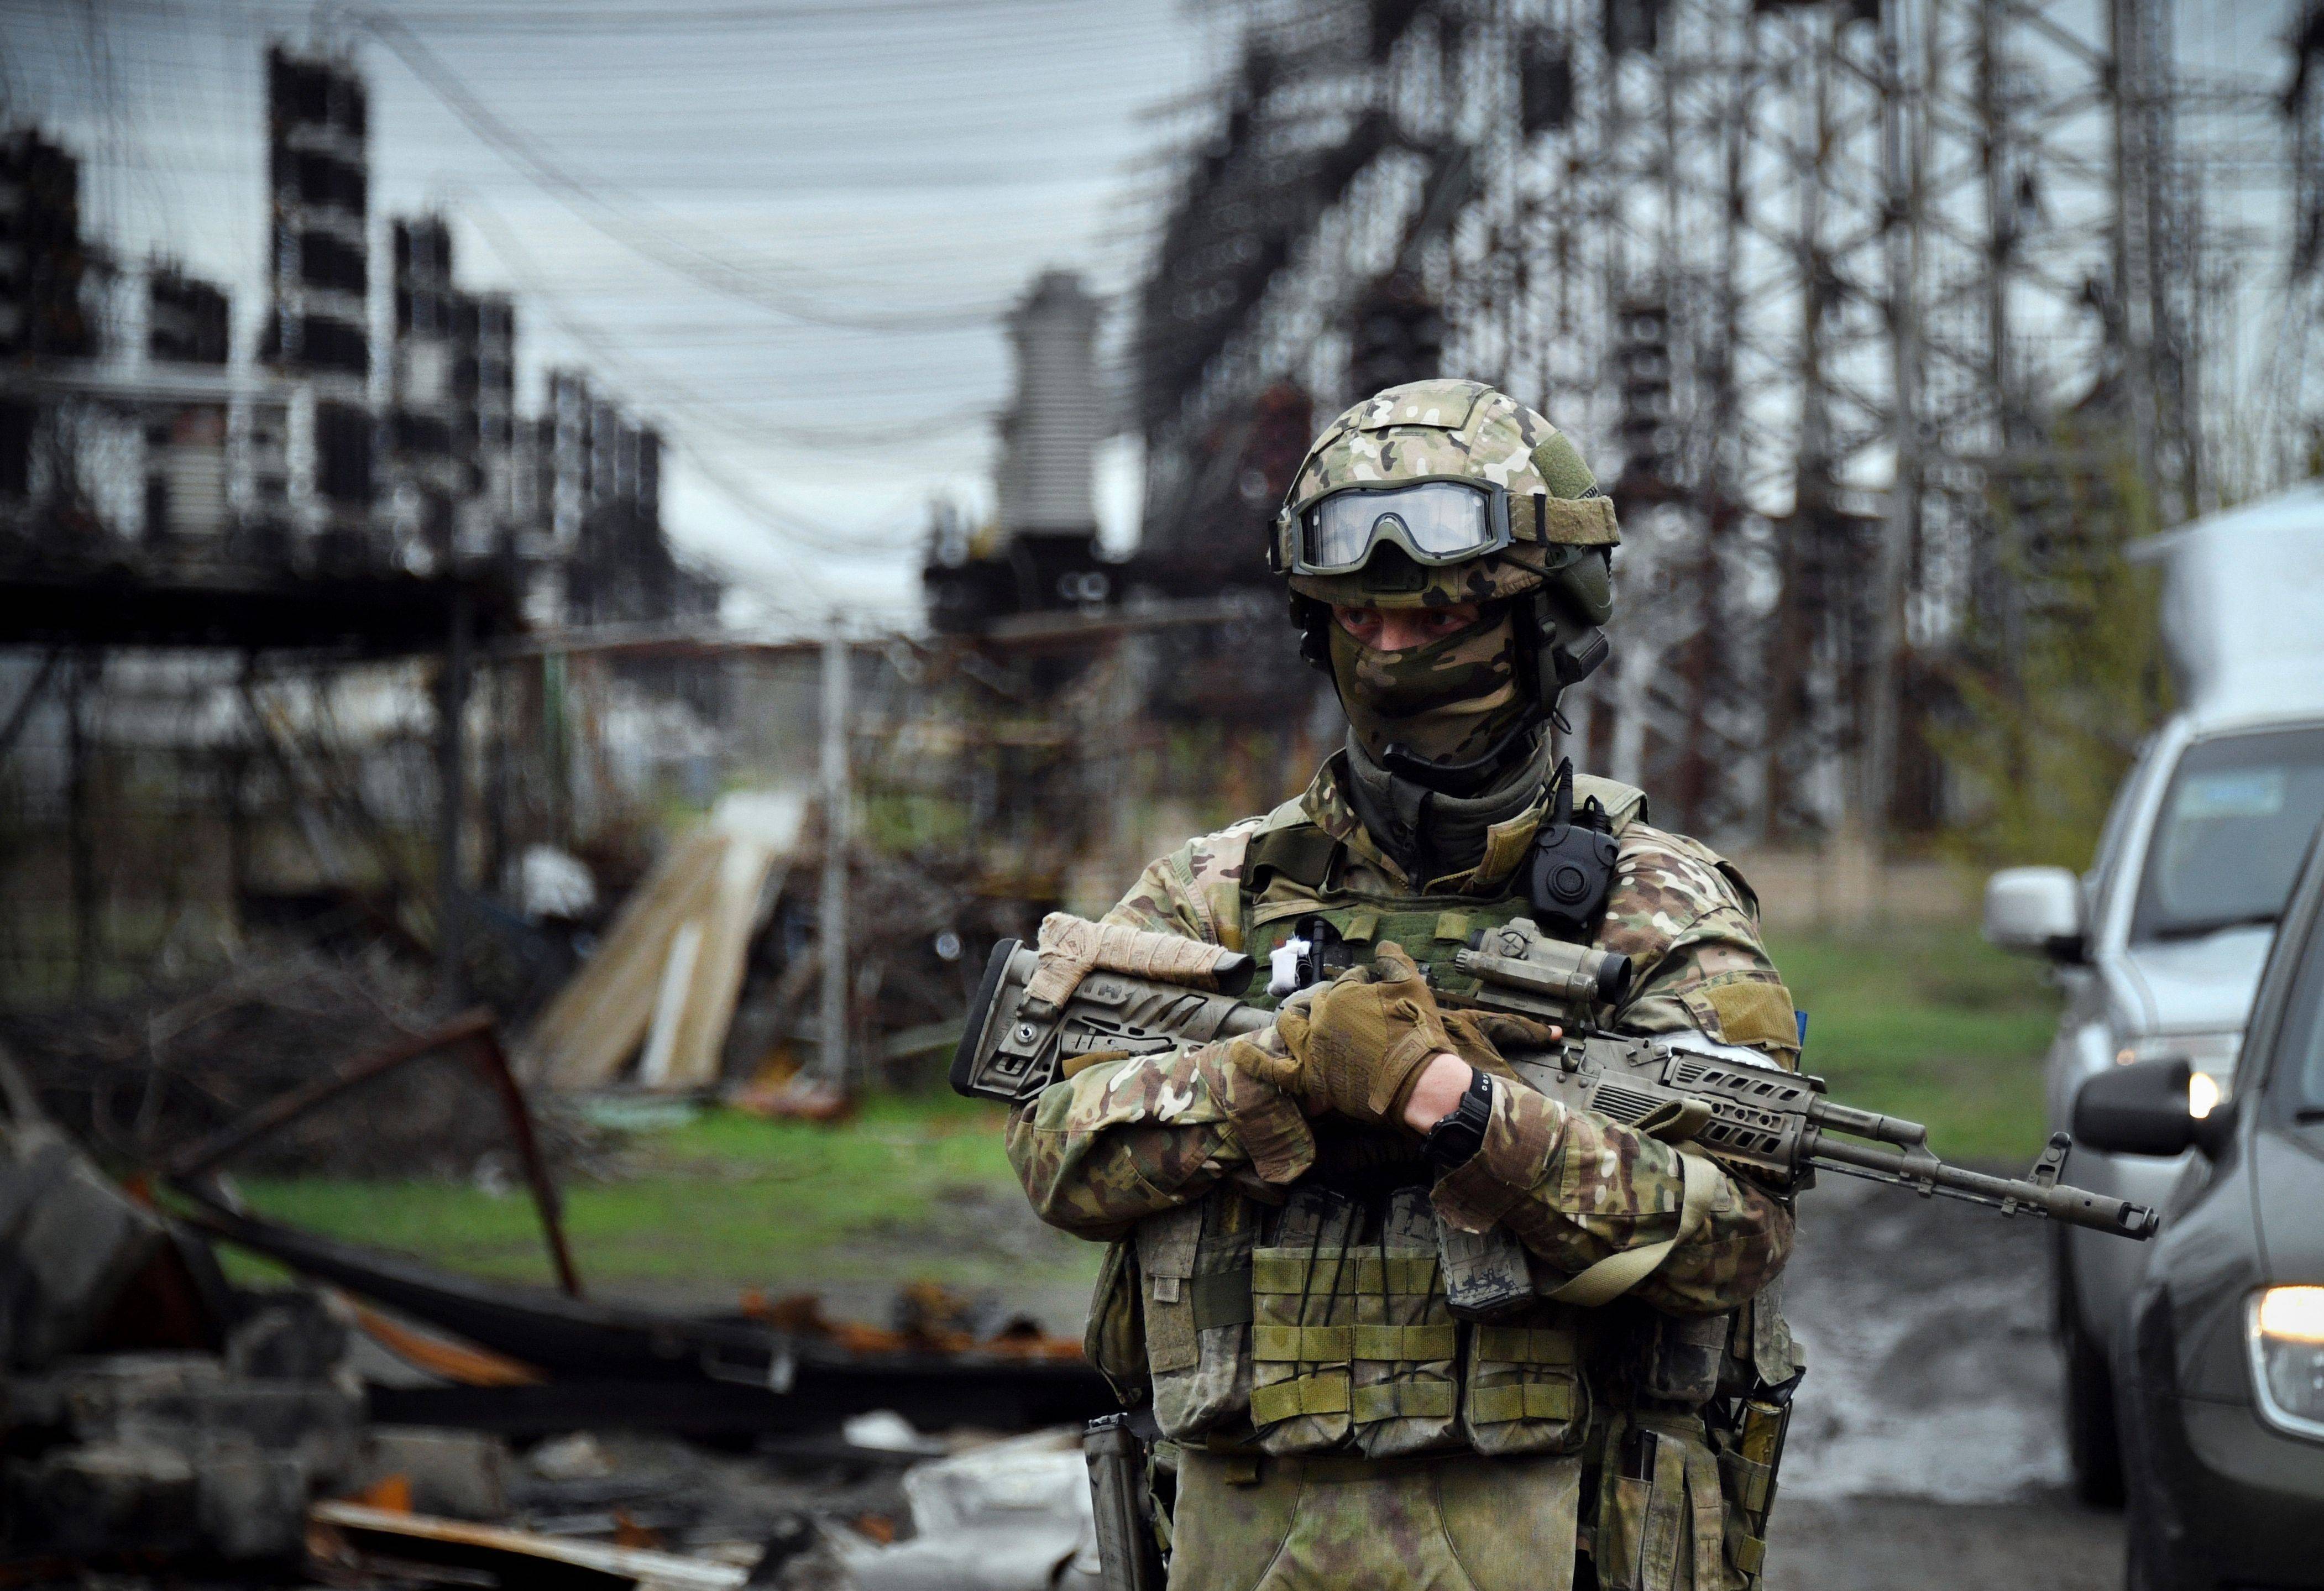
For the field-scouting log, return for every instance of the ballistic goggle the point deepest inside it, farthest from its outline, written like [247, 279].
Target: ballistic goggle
[1447, 519]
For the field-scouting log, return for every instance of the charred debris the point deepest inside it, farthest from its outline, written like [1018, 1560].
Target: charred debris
[375, 1421]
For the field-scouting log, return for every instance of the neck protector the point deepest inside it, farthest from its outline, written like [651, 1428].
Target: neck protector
[1430, 834]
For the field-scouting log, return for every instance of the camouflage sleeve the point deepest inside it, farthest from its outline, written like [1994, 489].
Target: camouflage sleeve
[1158, 904]
[1122, 1140]
[1575, 1187]
[1689, 924]
[1193, 891]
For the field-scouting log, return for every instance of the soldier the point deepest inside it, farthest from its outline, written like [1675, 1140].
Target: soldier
[1403, 1321]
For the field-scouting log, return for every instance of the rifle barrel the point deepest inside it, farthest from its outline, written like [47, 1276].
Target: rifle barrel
[2075, 1206]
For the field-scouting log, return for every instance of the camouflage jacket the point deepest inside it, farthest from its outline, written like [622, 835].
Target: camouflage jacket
[1122, 1141]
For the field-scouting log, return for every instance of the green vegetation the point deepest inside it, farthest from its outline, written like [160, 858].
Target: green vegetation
[1930, 1024]
[912, 1187]
[2052, 701]
[1933, 1025]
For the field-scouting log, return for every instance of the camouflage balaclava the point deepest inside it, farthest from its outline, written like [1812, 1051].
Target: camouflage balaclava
[1449, 700]
[1467, 696]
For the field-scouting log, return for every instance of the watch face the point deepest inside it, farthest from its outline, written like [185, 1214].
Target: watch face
[1457, 1138]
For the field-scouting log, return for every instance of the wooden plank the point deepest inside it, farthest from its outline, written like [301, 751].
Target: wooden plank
[670, 1005]
[520, 1557]
[764, 829]
[596, 1020]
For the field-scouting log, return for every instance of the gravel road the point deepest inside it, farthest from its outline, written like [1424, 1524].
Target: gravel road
[1924, 1450]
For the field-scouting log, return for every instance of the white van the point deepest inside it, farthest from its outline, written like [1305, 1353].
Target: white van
[2158, 946]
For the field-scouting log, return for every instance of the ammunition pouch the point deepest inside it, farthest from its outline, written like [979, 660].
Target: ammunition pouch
[1330, 1335]
[1525, 1390]
[1196, 1270]
[1114, 1336]
[1662, 1515]
[1352, 1340]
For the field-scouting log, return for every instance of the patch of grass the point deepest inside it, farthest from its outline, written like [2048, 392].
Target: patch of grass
[913, 1185]
[1931, 1024]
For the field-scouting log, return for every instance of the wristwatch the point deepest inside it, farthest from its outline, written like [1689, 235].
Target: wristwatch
[1455, 1140]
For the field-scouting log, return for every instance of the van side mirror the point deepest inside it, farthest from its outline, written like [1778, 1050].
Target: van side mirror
[2136, 1109]
[2037, 910]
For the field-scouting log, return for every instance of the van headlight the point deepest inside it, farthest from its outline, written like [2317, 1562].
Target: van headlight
[2285, 1328]
[2211, 1057]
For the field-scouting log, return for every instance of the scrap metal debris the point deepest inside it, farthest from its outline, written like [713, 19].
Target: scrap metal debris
[142, 1079]
[384, 1544]
[147, 1407]
[765, 1368]
[158, 1423]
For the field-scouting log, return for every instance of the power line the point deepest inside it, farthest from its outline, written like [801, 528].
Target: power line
[787, 522]
[601, 214]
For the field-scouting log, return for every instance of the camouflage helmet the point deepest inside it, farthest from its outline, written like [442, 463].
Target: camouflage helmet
[1561, 530]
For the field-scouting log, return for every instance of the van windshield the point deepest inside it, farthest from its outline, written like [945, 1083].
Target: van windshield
[2233, 825]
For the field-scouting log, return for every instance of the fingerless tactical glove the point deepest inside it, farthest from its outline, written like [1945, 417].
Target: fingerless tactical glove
[1480, 1037]
[1361, 1040]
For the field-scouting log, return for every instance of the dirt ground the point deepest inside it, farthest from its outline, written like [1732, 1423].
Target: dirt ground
[1924, 1450]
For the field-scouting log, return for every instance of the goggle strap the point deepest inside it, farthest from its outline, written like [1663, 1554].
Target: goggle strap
[1532, 518]
[1526, 514]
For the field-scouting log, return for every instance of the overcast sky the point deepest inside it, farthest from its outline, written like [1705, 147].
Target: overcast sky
[784, 229]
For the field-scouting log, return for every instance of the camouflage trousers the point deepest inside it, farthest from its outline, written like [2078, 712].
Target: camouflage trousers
[1454, 1523]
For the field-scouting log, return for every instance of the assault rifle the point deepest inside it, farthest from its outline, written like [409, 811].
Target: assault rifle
[1779, 1126]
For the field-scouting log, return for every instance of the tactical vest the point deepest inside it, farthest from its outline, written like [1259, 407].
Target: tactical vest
[1328, 1324]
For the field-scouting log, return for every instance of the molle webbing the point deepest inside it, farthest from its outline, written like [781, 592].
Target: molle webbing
[1322, 1393]
[1393, 1399]
[1523, 1400]
[1290, 1285]
[1523, 1345]
[1324, 1344]
[1297, 1273]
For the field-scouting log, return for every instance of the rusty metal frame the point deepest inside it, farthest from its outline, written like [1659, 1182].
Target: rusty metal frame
[475, 1032]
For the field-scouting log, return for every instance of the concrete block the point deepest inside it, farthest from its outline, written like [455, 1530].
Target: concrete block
[101, 1395]
[72, 1239]
[188, 1403]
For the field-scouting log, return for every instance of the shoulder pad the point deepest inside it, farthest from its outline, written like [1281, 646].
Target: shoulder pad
[1624, 803]
[1211, 858]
